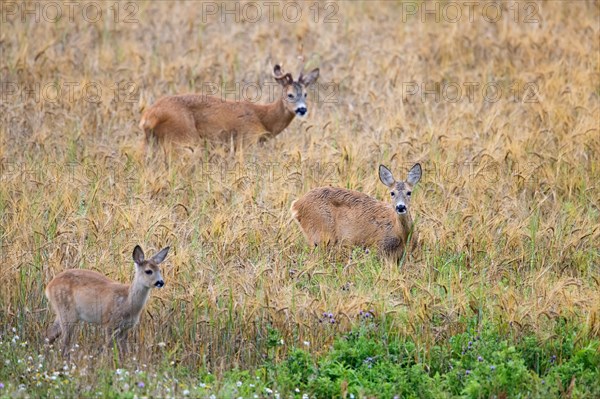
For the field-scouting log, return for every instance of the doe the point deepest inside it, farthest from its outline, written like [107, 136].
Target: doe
[186, 117]
[339, 216]
[85, 295]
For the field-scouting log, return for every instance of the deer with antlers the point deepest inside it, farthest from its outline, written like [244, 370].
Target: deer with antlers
[186, 117]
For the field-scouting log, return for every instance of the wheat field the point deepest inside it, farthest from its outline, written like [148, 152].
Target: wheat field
[502, 110]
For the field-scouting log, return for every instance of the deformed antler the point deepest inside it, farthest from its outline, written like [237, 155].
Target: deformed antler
[282, 77]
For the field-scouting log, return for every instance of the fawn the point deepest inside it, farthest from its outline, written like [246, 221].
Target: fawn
[336, 215]
[186, 117]
[85, 295]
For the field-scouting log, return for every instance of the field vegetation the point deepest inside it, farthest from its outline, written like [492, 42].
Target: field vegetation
[501, 297]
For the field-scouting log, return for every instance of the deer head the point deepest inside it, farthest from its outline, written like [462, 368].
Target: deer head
[148, 270]
[294, 93]
[400, 191]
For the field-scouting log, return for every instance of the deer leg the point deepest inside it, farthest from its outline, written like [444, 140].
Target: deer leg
[234, 146]
[108, 337]
[118, 336]
[149, 139]
[53, 331]
[254, 133]
[67, 332]
[66, 321]
[122, 342]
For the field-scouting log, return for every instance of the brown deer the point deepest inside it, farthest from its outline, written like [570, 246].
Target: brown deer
[85, 295]
[193, 116]
[339, 216]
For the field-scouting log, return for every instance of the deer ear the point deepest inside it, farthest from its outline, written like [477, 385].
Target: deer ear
[414, 174]
[386, 176]
[160, 257]
[310, 78]
[138, 255]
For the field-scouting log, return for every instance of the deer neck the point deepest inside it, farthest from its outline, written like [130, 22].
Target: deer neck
[275, 116]
[405, 224]
[138, 296]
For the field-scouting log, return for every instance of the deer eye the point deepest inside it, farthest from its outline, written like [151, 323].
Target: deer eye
[305, 95]
[392, 194]
[408, 193]
[291, 96]
[148, 272]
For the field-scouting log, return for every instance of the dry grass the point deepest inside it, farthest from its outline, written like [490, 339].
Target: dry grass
[507, 212]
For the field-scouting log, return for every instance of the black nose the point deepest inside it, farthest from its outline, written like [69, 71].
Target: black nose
[401, 208]
[301, 111]
[159, 284]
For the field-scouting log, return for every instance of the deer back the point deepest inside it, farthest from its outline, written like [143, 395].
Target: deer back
[337, 215]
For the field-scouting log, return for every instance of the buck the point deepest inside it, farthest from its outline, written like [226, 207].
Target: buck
[339, 216]
[187, 117]
[85, 295]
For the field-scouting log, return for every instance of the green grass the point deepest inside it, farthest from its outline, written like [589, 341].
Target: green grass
[371, 360]
[507, 212]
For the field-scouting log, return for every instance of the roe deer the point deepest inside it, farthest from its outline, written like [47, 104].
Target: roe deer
[337, 216]
[85, 295]
[194, 116]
